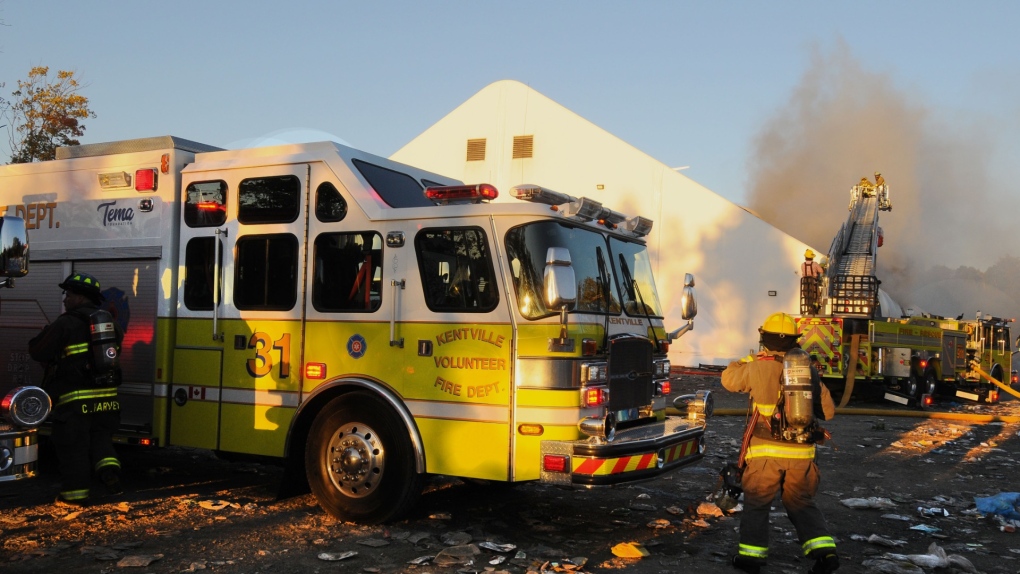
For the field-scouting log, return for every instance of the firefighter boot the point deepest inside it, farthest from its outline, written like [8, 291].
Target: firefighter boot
[745, 564]
[825, 565]
[111, 478]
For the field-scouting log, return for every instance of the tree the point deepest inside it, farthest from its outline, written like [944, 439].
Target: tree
[45, 113]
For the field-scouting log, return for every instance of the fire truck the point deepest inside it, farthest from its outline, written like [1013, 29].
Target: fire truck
[23, 407]
[909, 360]
[364, 322]
[914, 358]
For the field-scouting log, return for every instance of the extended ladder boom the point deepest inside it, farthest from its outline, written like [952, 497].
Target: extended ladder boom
[853, 287]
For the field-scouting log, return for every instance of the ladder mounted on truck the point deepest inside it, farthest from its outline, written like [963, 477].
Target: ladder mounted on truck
[852, 284]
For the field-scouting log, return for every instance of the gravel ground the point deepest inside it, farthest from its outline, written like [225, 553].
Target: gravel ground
[186, 510]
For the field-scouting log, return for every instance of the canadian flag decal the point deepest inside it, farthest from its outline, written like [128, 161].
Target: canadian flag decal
[196, 392]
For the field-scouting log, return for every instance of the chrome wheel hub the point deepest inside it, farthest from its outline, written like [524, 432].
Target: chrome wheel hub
[355, 459]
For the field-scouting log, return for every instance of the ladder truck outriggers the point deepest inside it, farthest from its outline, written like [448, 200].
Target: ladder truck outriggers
[362, 321]
[909, 360]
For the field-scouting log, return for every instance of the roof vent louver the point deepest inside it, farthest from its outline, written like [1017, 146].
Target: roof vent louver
[476, 150]
[524, 147]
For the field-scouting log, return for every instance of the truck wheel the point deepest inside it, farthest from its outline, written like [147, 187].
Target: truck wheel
[931, 384]
[909, 386]
[360, 462]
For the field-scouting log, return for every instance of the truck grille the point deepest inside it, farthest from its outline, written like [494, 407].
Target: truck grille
[630, 372]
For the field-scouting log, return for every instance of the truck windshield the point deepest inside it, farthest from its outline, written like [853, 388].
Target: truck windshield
[636, 280]
[589, 255]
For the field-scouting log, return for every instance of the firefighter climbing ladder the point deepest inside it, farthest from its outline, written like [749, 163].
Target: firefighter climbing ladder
[853, 287]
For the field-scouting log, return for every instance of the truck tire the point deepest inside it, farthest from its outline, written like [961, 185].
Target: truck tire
[910, 386]
[360, 462]
[931, 384]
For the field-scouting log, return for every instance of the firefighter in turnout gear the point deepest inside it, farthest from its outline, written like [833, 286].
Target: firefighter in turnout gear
[86, 410]
[773, 464]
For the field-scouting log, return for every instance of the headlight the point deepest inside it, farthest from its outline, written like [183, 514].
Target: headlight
[662, 369]
[594, 373]
[26, 407]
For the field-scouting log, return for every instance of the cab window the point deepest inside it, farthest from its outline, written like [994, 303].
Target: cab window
[347, 272]
[199, 267]
[205, 204]
[396, 188]
[456, 269]
[269, 199]
[265, 272]
[329, 204]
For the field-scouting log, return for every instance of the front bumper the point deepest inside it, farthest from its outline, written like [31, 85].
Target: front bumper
[637, 453]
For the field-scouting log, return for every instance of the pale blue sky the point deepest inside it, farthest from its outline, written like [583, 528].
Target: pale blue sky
[690, 83]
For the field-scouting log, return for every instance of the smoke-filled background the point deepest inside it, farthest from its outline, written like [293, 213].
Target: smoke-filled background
[949, 244]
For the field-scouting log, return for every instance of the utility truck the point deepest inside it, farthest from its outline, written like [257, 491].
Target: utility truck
[362, 321]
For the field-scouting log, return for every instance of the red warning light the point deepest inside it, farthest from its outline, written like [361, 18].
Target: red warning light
[145, 180]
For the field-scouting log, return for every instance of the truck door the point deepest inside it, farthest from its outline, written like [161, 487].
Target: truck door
[234, 386]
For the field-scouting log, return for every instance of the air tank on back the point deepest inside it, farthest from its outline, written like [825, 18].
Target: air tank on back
[797, 392]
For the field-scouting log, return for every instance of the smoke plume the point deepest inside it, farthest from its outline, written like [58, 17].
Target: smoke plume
[842, 123]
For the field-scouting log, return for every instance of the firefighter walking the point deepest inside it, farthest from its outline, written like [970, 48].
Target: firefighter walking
[775, 459]
[82, 377]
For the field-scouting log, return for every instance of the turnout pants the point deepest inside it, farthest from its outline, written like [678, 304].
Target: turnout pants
[797, 480]
[84, 444]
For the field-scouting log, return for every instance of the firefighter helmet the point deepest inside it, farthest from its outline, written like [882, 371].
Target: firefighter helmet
[83, 284]
[809, 254]
[779, 324]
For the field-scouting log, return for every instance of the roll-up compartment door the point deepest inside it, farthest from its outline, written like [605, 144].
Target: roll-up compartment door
[33, 302]
[130, 287]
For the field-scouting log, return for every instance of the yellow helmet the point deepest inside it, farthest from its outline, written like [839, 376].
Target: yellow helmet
[809, 254]
[780, 324]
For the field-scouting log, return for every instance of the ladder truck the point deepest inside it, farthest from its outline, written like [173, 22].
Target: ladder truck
[909, 360]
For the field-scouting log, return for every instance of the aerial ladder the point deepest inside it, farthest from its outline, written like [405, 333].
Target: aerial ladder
[838, 307]
[850, 282]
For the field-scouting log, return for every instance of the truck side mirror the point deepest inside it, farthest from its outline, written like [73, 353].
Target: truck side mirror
[559, 283]
[560, 293]
[688, 303]
[13, 247]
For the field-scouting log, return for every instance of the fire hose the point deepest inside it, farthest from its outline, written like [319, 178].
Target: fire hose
[977, 369]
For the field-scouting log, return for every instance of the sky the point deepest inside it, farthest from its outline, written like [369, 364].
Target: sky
[766, 103]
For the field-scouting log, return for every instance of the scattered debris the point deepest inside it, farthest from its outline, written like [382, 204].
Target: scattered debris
[138, 560]
[374, 542]
[336, 556]
[870, 502]
[496, 547]
[629, 550]
[457, 555]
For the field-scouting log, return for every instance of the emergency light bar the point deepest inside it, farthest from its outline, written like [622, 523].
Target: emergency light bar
[538, 194]
[583, 208]
[461, 193]
[638, 225]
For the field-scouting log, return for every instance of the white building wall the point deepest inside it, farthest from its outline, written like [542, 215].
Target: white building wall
[737, 259]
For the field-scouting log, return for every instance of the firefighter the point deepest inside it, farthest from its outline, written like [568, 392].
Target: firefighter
[810, 268]
[879, 180]
[773, 465]
[86, 410]
[811, 272]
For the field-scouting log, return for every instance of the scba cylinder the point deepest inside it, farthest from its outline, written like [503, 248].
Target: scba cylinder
[105, 351]
[797, 392]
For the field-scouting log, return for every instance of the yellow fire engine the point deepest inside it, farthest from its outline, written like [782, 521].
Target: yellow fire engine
[364, 321]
